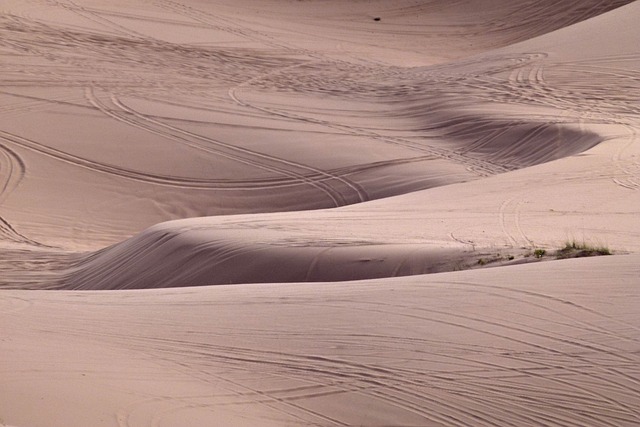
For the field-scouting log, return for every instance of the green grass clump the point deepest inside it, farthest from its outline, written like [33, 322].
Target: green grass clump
[539, 253]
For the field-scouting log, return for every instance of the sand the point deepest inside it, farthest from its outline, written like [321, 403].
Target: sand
[322, 162]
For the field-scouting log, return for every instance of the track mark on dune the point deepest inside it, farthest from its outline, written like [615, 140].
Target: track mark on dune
[502, 367]
[547, 301]
[463, 241]
[12, 172]
[628, 166]
[565, 375]
[389, 385]
[331, 376]
[376, 382]
[97, 18]
[98, 166]
[231, 26]
[340, 190]
[514, 232]
[480, 167]
[237, 389]
[180, 182]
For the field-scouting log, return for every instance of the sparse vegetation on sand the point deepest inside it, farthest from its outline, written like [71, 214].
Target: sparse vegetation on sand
[573, 249]
[539, 253]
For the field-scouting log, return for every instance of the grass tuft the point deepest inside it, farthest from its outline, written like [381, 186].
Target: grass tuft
[539, 253]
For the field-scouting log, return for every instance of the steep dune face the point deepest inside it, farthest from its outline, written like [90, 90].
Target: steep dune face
[529, 116]
[199, 252]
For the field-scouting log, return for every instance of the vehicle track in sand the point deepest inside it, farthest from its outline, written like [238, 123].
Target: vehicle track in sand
[628, 166]
[272, 163]
[572, 371]
[478, 166]
[12, 172]
[596, 104]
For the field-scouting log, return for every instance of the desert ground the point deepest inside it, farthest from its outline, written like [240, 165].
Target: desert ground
[319, 213]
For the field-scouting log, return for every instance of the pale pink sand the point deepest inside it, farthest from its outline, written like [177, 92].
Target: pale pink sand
[279, 106]
[551, 343]
[525, 107]
[443, 134]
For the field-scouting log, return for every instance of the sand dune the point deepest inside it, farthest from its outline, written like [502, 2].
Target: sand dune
[542, 344]
[236, 108]
[509, 115]
[181, 144]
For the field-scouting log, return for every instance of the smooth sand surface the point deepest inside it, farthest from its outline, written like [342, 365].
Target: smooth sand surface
[519, 345]
[165, 144]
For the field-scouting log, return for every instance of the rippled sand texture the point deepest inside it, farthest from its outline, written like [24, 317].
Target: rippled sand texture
[505, 346]
[171, 144]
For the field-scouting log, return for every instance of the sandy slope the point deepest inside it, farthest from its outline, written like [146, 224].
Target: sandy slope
[444, 134]
[541, 344]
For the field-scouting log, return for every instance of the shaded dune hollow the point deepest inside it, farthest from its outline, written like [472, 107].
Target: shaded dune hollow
[208, 251]
[164, 257]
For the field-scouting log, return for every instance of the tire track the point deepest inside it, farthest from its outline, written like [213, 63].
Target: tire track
[481, 167]
[378, 379]
[10, 305]
[98, 18]
[12, 172]
[218, 23]
[297, 364]
[379, 382]
[545, 305]
[630, 169]
[149, 178]
[406, 312]
[265, 161]
[372, 378]
[212, 146]
[515, 234]
[103, 167]
[490, 387]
